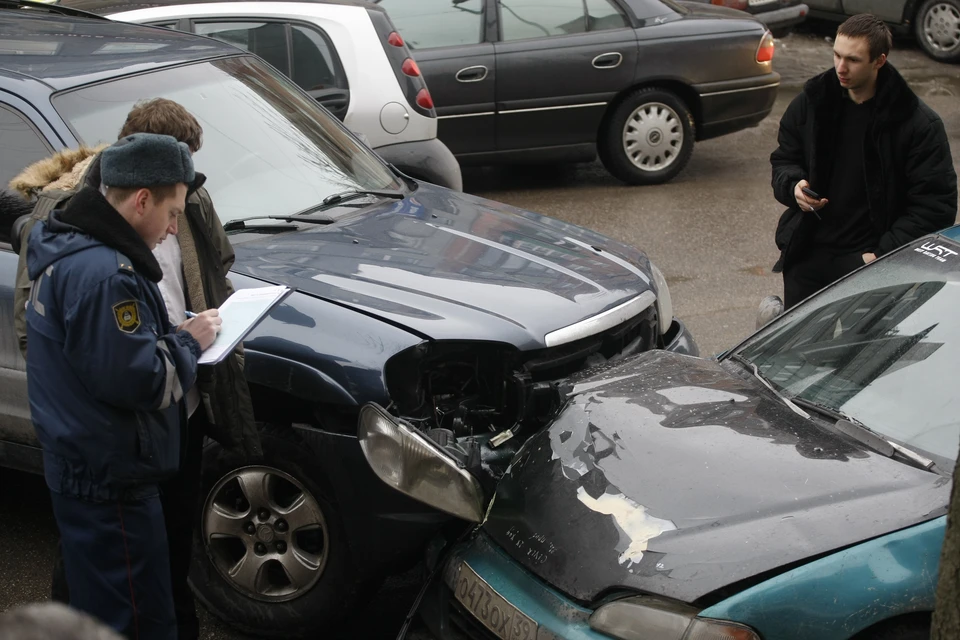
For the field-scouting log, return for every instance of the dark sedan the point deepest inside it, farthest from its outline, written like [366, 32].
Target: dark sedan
[636, 81]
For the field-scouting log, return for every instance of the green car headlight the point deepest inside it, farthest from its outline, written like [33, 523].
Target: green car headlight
[651, 618]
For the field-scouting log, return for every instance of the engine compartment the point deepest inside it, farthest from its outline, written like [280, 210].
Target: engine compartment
[480, 401]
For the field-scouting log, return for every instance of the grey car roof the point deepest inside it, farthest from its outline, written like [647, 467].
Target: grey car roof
[66, 51]
[107, 7]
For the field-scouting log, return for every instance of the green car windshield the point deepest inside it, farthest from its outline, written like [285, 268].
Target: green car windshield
[881, 347]
[268, 149]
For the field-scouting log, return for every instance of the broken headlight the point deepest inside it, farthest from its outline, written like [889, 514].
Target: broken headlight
[411, 463]
[664, 301]
[650, 618]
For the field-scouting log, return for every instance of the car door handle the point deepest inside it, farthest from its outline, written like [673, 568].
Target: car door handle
[610, 60]
[472, 74]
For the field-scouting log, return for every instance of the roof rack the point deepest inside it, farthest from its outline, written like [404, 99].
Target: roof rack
[49, 7]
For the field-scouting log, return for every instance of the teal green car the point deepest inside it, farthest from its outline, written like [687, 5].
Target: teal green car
[795, 487]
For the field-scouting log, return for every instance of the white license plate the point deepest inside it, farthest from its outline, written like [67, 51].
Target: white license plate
[492, 609]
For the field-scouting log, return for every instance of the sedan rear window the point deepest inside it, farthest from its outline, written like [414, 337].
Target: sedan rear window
[267, 148]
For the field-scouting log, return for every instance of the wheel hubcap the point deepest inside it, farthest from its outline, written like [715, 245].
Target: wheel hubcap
[653, 136]
[941, 26]
[265, 533]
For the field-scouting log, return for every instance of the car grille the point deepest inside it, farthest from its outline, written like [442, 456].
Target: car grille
[637, 334]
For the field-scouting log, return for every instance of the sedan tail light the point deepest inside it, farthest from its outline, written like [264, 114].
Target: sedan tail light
[733, 4]
[766, 48]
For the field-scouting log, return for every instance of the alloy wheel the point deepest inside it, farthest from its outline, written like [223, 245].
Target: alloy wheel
[653, 136]
[941, 27]
[265, 533]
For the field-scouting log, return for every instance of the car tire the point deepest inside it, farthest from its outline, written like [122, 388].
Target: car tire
[648, 137]
[937, 29]
[307, 584]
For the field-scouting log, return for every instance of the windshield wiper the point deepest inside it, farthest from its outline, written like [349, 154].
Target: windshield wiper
[353, 194]
[240, 223]
[863, 434]
[756, 374]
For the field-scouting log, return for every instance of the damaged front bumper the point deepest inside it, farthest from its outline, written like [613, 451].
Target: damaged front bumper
[555, 616]
[678, 339]
[481, 593]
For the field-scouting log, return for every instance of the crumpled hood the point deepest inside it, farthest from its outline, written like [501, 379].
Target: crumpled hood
[678, 476]
[453, 266]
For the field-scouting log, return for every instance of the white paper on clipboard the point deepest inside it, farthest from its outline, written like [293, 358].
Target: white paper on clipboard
[240, 313]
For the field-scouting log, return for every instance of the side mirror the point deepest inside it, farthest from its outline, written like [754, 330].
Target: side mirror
[334, 100]
[770, 308]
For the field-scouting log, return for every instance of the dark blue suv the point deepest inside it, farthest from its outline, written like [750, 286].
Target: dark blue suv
[457, 314]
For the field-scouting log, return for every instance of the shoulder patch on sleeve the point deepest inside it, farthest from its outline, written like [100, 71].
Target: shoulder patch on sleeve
[127, 315]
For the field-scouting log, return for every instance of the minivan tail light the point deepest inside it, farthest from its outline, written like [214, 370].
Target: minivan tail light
[733, 4]
[395, 40]
[410, 68]
[424, 99]
[766, 48]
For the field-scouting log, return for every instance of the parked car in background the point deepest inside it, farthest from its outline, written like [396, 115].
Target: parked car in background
[458, 313]
[340, 52]
[795, 488]
[635, 81]
[934, 23]
[780, 16]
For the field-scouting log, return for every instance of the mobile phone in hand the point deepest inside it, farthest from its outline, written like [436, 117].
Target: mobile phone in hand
[810, 193]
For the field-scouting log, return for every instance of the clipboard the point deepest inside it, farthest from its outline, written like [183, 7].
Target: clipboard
[240, 313]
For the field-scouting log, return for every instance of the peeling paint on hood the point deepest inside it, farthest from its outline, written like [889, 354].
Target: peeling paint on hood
[637, 526]
[679, 476]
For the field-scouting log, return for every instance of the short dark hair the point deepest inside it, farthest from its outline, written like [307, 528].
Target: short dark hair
[869, 26]
[166, 117]
[116, 195]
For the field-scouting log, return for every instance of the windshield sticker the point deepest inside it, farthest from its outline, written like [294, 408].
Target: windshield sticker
[936, 251]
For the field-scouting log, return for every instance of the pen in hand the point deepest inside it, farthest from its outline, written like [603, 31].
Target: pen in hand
[190, 314]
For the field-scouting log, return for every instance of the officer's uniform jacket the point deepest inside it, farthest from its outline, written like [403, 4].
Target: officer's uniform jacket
[107, 373]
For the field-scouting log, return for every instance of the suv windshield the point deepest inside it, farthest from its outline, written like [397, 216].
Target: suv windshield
[881, 347]
[267, 148]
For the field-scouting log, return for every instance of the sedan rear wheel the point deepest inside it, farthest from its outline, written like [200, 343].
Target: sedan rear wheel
[938, 29]
[648, 139]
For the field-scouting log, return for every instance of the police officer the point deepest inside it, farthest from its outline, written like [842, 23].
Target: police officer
[107, 375]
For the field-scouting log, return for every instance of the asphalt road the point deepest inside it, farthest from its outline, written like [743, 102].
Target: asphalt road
[710, 231]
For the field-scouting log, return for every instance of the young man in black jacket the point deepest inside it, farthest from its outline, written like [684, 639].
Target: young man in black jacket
[875, 156]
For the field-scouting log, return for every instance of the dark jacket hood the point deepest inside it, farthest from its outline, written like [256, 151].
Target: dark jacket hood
[680, 476]
[88, 220]
[895, 100]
